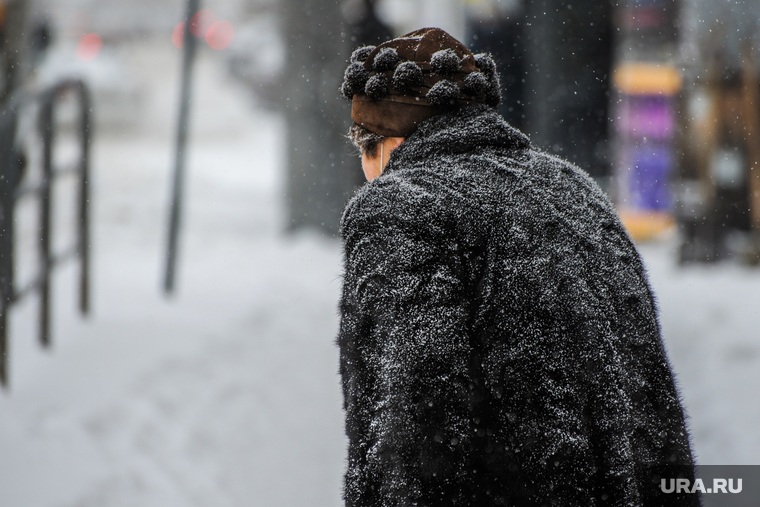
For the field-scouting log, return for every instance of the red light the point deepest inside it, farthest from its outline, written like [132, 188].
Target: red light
[220, 35]
[178, 34]
[201, 22]
[89, 46]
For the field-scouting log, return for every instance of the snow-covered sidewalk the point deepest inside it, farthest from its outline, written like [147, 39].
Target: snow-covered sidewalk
[228, 394]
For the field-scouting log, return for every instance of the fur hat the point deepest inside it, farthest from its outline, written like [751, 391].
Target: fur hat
[401, 82]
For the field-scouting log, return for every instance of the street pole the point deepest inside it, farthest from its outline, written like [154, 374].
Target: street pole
[189, 49]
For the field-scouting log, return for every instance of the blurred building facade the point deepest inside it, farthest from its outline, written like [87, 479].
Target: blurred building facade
[555, 62]
[718, 186]
[13, 19]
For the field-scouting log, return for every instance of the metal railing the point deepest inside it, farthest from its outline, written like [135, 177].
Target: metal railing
[11, 191]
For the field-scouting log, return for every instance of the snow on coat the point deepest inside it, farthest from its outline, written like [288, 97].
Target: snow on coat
[499, 342]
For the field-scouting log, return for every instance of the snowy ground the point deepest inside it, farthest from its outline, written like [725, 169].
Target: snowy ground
[227, 394]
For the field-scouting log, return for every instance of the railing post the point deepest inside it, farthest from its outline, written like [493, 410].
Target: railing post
[11, 163]
[48, 129]
[84, 200]
[10, 168]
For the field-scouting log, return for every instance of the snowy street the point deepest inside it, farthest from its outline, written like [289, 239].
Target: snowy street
[227, 394]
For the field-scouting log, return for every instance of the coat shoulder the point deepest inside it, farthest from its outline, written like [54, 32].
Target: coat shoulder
[404, 198]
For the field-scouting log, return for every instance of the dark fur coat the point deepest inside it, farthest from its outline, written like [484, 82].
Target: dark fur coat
[499, 342]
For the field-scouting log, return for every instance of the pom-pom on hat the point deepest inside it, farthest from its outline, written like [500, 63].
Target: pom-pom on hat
[406, 80]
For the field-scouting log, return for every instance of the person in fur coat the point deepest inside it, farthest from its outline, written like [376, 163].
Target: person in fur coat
[499, 342]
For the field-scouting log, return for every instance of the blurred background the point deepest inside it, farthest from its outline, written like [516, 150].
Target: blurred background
[222, 388]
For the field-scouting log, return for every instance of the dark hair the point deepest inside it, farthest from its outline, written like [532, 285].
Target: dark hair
[365, 140]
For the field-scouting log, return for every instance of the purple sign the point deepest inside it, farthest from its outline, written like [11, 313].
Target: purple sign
[650, 116]
[646, 171]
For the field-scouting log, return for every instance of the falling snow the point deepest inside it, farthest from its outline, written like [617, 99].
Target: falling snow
[230, 391]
